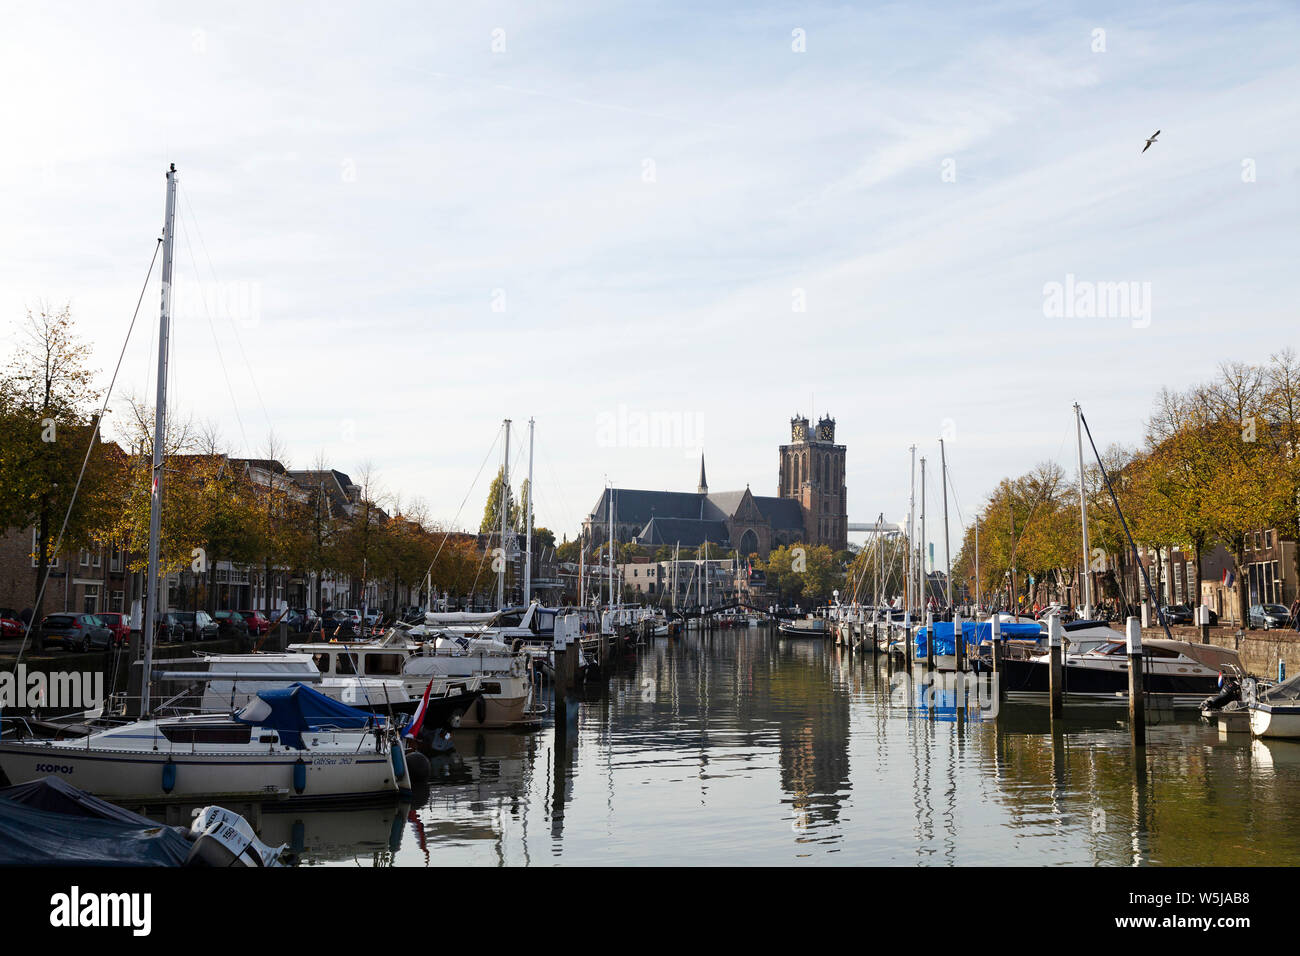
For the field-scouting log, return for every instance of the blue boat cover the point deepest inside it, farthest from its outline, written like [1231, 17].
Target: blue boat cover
[973, 634]
[49, 822]
[291, 711]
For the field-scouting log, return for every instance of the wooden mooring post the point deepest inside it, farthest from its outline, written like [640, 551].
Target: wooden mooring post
[929, 640]
[1055, 676]
[958, 644]
[995, 653]
[1137, 717]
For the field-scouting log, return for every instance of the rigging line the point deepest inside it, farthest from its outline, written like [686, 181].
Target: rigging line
[90, 447]
[447, 533]
[221, 360]
[239, 342]
[1164, 621]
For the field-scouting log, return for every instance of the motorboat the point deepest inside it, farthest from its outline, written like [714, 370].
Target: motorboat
[289, 744]
[1176, 673]
[49, 822]
[502, 670]
[358, 674]
[1275, 711]
[807, 627]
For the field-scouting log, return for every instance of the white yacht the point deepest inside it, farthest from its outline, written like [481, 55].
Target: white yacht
[504, 672]
[290, 743]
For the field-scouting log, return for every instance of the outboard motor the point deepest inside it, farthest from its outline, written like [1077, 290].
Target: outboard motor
[1229, 692]
[222, 838]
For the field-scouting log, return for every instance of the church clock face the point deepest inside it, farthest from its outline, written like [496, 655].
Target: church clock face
[824, 432]
[800, 431]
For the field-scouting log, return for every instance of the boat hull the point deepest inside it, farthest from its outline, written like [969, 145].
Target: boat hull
[1029, 679]
[1282, 723]
[138, 776]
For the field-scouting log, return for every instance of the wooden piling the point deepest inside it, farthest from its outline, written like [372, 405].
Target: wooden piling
[1136, 699]
[958, 644]
[929, 640]
[995, 643]
[1055, 678]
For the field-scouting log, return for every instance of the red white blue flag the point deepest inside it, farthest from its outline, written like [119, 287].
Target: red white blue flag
[417, 720]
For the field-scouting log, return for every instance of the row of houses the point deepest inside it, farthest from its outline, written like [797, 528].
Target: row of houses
[1267, 576]
[100, 580]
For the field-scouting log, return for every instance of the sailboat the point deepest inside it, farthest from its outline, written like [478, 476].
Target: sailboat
[289, 743]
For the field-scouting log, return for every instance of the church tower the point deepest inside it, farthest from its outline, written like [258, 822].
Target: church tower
[812, 473]
[703, 489]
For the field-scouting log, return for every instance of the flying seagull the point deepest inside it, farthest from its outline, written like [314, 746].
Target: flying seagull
[1151, 140]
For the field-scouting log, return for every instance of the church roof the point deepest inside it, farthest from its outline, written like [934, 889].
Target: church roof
[688, 532]
[634, 506]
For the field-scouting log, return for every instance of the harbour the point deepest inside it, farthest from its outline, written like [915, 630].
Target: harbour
[757, 751]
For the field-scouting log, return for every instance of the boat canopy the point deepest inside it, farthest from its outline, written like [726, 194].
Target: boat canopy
[1222, 659]
[973, 634]
[1288, 689]
[297, 709]
[50, 822]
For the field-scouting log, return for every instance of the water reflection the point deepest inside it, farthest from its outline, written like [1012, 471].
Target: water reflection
[744, 747]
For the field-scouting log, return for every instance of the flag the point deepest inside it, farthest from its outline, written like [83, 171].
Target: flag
[1228, 578]
[417, 719]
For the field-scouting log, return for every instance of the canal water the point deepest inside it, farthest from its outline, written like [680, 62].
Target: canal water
[744, 747]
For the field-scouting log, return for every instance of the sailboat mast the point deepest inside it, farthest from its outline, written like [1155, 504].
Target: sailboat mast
[505, 514]
[1083, 515]
[924, 579]
[528, 526]
[977, 564]
[947, 551]
[159, 431]
[611, 547]
[910, 590]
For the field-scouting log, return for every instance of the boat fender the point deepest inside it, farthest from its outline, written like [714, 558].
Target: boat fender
[480, 709]
[516, 645]
[419, 767]
[169, 776]
[299, 776]
[399, 762]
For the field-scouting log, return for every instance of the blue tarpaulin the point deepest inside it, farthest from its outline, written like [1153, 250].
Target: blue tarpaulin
[973, 635]
[51, 823]
[291, 711]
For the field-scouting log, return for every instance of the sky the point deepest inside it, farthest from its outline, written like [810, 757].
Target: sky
[656, 229]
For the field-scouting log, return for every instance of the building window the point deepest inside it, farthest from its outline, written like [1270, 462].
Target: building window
[90, 599]
[85, 559]
[115, 557]
[115, 602]
[1268, 539]
[36, 552]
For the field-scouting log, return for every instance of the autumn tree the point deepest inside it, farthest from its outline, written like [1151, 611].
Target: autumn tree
[49, 430]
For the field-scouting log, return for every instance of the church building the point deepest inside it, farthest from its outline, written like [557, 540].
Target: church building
[810, 507]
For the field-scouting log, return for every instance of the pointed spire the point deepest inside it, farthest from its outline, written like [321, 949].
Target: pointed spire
[704, 485]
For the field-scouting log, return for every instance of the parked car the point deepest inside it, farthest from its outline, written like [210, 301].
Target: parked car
[352, 615]
[171, 628]
[373, 617]
[119, 624]
[257, 624]
[10, 626]
[196, 625]
[301, 619]
[1178, 614]
[1268, 616]
[230, 623]
[78, 632]
[1065, 612]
